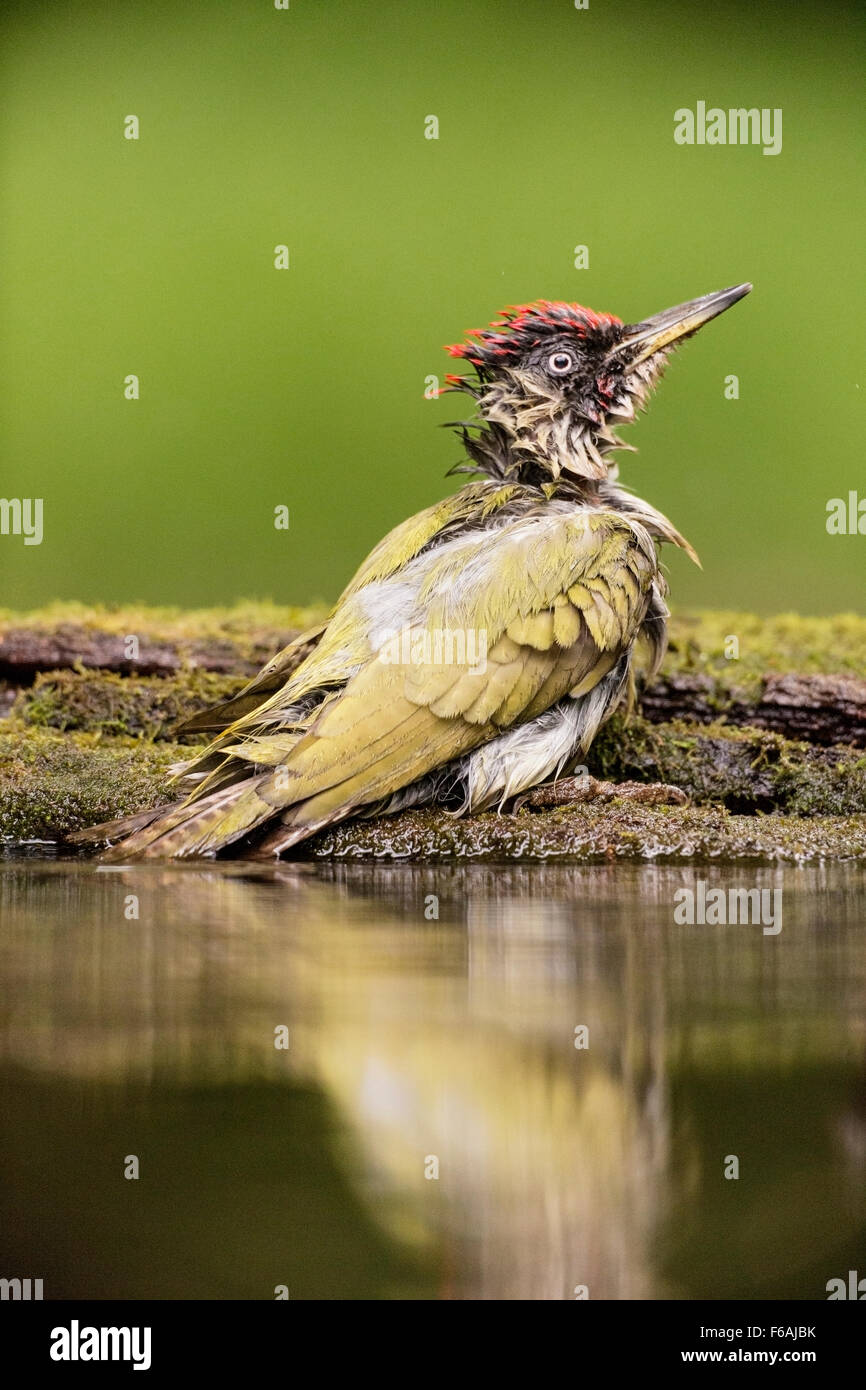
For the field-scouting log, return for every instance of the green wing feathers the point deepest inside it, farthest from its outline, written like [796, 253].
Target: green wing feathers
[341, 719]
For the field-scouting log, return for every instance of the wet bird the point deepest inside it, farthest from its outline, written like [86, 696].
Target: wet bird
[483, 642]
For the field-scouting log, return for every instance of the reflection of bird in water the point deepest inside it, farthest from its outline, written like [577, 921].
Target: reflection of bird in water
[550, 1158]
[452, 1036]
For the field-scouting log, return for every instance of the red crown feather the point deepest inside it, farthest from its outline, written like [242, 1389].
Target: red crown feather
[523, 326]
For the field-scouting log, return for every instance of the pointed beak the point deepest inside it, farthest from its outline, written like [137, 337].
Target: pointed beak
[641, 340]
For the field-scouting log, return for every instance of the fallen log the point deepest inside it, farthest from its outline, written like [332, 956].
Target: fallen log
[821, 708]
[25, 652]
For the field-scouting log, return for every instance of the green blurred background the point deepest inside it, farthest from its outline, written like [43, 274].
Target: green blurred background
[305, 387]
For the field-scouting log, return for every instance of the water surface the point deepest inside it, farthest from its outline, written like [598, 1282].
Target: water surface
[423, 1045]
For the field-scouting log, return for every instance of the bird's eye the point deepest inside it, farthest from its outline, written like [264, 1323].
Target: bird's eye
[560, 363]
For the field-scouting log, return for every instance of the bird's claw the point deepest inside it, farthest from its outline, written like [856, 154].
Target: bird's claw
[570, 790]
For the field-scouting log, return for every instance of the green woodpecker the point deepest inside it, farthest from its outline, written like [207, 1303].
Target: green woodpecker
[482, 643]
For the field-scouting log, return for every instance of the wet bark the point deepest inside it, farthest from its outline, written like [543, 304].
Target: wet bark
[820, 708]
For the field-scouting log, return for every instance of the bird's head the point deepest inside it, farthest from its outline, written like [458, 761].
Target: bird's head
[554, 380]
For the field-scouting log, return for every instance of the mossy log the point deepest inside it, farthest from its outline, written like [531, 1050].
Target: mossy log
[140, 641]
[149, 707]
[823, 709]
[760, 722]
[741, 768]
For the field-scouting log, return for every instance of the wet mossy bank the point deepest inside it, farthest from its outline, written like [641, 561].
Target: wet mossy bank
[622, 830]
[760, 722]
[789, 801]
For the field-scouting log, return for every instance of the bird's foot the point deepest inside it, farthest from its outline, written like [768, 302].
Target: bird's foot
[569, 790]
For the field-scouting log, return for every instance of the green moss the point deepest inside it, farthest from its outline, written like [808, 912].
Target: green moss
[51, 783]
[784, 642]
[247, 621]
[743, 769]
[147, 707]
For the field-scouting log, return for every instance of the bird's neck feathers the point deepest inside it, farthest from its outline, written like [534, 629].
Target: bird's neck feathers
[523, 435]
[529, 431]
